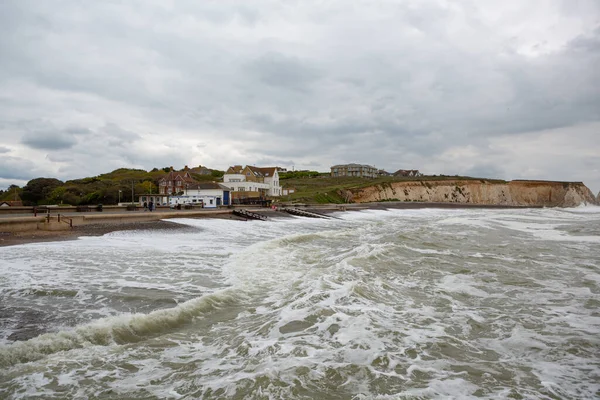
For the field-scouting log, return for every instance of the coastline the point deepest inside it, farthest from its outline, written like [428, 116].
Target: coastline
[18, 238]
[102, 227]
[95, 229]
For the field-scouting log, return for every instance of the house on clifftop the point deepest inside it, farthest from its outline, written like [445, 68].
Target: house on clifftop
[359, 170]
[408, 172]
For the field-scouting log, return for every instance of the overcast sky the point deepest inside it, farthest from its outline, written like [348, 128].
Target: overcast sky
[505, 89]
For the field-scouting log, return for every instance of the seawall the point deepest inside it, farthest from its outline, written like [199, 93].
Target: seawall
[61, 222]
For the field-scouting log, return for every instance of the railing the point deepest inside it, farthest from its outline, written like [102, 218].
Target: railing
[66, 220]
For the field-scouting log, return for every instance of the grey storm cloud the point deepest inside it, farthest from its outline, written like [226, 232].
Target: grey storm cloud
[276, 69]
[43, 135]
[117, 136]
[48, 141]
[17, 168]
[428, 84]
[75, 130]
[4, 150]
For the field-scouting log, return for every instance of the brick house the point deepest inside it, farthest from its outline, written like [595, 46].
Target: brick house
[175, 182]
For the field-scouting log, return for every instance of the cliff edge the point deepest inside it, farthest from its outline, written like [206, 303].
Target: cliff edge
[513, 193]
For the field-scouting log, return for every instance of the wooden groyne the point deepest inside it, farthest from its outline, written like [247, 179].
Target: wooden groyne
[249, 215]
[304, 213]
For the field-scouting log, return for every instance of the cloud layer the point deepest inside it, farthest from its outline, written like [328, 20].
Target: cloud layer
[473, 87]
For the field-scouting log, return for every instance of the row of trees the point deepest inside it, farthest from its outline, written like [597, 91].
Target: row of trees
[13, 193]
[107, 188]
[42, 191]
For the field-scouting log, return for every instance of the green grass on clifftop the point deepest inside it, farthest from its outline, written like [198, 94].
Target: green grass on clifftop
[326, 189]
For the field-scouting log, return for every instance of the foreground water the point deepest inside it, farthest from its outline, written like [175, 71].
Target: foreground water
[408, 304]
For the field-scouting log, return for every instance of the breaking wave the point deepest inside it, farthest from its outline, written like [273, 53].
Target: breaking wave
[122, 329]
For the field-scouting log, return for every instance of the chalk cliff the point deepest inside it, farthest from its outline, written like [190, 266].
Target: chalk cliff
[513, 193]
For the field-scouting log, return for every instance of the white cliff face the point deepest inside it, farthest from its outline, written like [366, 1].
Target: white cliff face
[514, 193]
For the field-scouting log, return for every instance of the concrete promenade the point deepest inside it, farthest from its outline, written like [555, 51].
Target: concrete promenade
[56, 219]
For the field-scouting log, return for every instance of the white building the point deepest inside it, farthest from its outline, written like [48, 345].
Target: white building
[209, 194]
[156, 199]
[253, 181]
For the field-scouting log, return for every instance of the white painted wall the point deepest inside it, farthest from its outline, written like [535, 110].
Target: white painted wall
[273, 181]
[206, 200]
[158, 200]
[238, 183]
[234, 178]
[208, 197]
[247, 186]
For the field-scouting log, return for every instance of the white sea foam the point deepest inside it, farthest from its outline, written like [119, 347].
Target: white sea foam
[546, 231]
[376, 304]
[583, 209]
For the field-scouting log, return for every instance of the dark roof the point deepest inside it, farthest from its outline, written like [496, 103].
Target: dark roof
[175, 175]
[404, 172]
[263, 171]
[353, 165]
[208, 185]
[236, 169]
[257, 171]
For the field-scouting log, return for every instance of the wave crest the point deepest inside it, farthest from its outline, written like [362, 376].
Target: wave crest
[122, 329]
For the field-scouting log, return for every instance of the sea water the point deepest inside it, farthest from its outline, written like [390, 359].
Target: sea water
[396, 304]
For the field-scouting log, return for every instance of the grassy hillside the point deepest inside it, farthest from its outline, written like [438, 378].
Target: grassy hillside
[106, 188]
[325, 189]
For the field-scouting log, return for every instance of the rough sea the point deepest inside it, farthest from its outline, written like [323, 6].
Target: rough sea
[396, 304]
